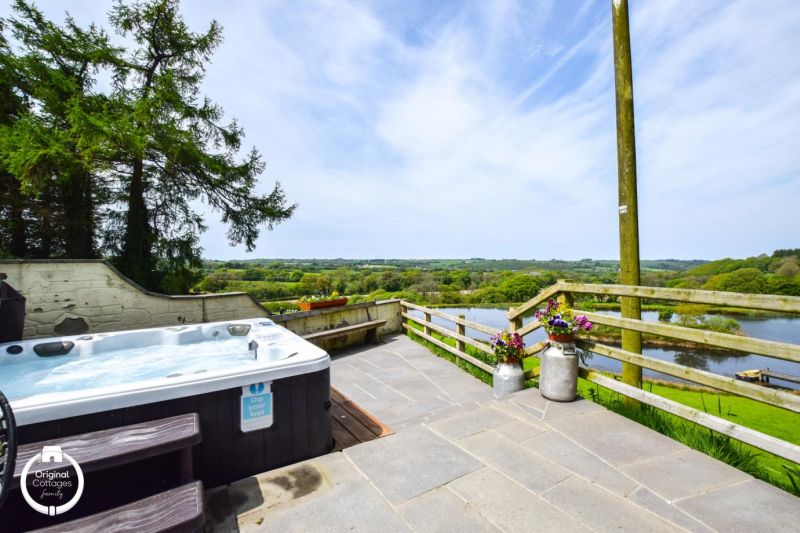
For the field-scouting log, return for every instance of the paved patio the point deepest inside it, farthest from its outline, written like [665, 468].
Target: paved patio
[460, 461]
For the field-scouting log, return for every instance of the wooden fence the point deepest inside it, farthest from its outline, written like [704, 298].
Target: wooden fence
[565, 292]
[459, 334]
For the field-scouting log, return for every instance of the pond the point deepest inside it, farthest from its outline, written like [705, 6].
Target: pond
[727, 364]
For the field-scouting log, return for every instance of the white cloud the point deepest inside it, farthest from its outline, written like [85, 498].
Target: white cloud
[422, 129]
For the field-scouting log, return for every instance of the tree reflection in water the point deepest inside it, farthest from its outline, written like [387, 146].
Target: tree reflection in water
[700, 359]
[692, 359]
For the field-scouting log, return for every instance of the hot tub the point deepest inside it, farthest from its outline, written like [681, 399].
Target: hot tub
[262, 392]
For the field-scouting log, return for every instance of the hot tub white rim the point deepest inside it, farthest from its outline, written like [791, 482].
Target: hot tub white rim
[58, 405]
[55, 406]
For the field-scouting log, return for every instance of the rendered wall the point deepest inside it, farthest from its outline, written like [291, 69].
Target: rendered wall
[66, 297]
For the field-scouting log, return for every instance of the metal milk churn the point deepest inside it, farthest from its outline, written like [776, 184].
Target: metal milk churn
[507, 379]
[558, 378]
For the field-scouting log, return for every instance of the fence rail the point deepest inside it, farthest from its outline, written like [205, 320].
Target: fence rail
[761, 302]
[452, 318]
[779, 350]
[460, 335]
[768, 443]
[774, 397]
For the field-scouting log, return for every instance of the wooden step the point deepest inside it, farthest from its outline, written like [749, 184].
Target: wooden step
[109, 448]
[176, 510]
[351, 424]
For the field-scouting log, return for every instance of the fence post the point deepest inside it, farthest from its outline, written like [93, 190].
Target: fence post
[514, 323]
[626, 169]
[427, 319]
[565, 299]
[403, 320]
[462, 330]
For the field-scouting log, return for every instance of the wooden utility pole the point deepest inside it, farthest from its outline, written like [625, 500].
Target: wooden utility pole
[626, 169]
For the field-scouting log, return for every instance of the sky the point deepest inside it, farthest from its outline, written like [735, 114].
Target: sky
[458, 129]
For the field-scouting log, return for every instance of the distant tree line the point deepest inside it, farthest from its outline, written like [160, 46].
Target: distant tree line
[778, 273]
[426, 281]
[105, 148]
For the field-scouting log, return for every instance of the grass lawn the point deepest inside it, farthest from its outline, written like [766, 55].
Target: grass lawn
[767, 419]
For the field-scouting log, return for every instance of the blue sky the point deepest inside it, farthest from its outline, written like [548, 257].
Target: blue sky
[486, 129]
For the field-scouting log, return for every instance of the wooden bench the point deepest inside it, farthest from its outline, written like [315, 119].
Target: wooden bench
[179, 509]
[109, 448]
[371, 327]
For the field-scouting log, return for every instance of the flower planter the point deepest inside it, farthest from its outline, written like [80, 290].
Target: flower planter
[310, 306]
[558, 379]
[507, 379]
[562, 338]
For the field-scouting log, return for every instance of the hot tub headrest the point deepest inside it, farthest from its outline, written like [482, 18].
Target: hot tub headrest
[49, 349]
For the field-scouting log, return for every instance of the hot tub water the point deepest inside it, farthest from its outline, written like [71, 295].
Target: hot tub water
[51, 378]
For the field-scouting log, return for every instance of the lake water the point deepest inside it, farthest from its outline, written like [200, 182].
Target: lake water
[727, 364]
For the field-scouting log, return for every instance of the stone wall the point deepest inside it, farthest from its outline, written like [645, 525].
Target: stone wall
[69, 297]
[335, 317]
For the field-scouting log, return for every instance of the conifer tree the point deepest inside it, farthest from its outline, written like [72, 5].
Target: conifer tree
[120, 170]
[176, 150]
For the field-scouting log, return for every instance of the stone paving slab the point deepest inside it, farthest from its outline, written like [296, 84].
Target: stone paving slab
[675, 476]
[396, 377]
[647, 499]
[417, 389]
[325, 494]
[752, 506]
[530, 401]
[464, 389]
[519, 431]
[557, 409]
[467, 423]
[410, 463]
[358, 508]
[441, 511]
[568, 454]
[462, 461]
[438, 382]
[510, 506]
[520, 464]
[614, 438]
[400, 414]
[522, 413]
[601, 510]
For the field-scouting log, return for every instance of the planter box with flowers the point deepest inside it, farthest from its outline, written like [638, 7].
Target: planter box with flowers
[509, 349]
[309, 303]
[558, 379]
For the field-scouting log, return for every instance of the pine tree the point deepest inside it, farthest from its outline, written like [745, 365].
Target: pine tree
[44, 147]
[176, 150]
[13, 238]
[122, 166]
